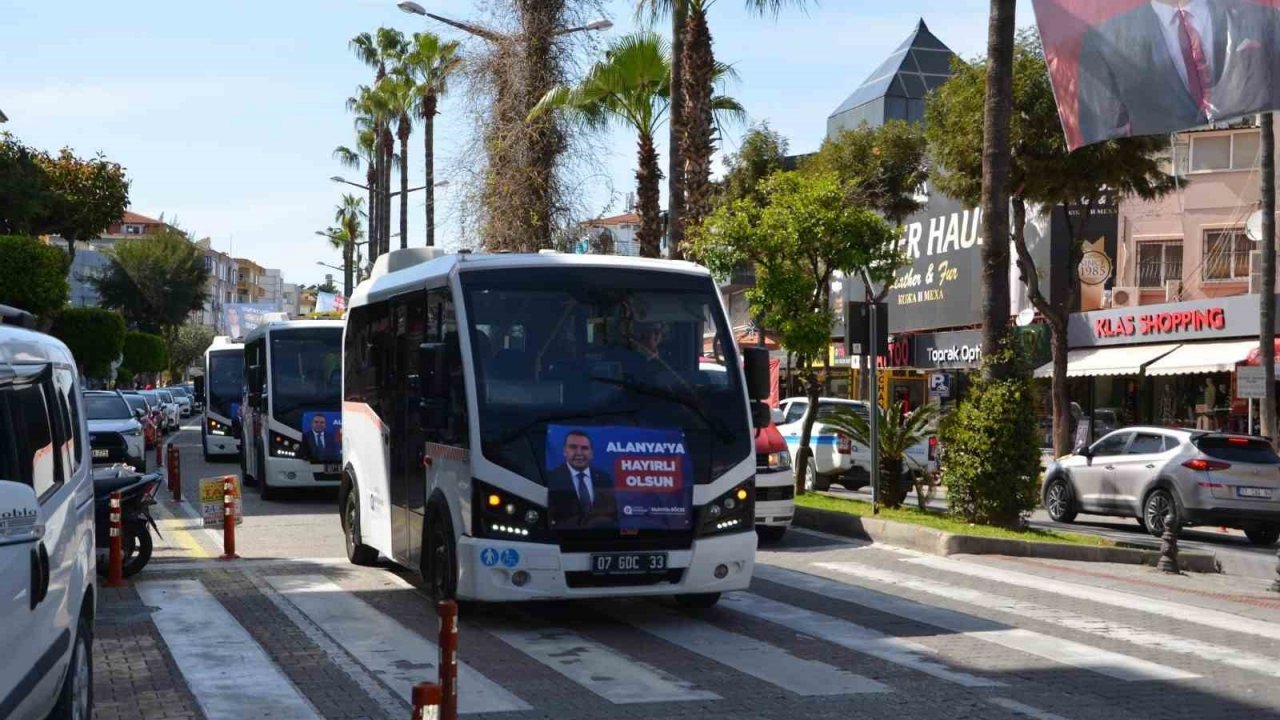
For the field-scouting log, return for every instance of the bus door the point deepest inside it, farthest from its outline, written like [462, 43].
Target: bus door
[408, 491]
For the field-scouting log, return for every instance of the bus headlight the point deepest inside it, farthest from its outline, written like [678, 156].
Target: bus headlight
[282, 446]
[733, 511]
[217, 428]
[501, 515]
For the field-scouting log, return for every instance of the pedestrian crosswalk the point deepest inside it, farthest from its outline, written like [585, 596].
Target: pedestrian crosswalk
[826, 629]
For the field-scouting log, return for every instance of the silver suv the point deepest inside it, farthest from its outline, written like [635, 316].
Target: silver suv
[1157, 474]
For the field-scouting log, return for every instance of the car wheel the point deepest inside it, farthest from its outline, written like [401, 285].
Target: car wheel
[357, 552]
[137, 548]
[75, 698]
[771, 533]
[1264, 535]
[1059, 501]
[1160, 508]
[440, 556]
[698, 601]
[813, 482]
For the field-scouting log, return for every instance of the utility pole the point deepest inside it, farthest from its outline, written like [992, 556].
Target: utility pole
[1267, 336]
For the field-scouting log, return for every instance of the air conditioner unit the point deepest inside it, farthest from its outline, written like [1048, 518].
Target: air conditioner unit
[1125, 297]
[1255, 272]
[1172, 290]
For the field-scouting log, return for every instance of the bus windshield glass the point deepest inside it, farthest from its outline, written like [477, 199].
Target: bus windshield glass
[306, 373]
[593, 346]
[225, 381]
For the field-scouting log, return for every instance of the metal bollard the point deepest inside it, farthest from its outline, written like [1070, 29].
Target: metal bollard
[175, 473]
[426, 701]
[1169, 549]
[448, 612]
[228, 519]
[115, 554]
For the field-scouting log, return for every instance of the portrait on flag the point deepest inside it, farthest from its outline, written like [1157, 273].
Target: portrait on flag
[1123, 68]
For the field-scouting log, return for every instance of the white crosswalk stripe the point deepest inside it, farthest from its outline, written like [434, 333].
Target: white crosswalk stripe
[744, 654]
[852, 636]
[220, 661]
[1067, 652]
[396, 654]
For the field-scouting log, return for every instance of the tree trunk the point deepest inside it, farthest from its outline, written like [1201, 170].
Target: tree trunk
[348, 246]
[696, 141]
[388, 155]
[648, 198]
[1062, 429]
[542, 71]
[805, 453]
[1266, 339]
[403, 132]
[995, 185]
[429, 102]
[675, 166]
[371, 237]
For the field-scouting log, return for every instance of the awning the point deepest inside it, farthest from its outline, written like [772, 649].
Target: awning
[1127, 360]
[1210, 357]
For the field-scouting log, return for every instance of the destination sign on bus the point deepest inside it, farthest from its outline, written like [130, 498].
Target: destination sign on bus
[618, 478]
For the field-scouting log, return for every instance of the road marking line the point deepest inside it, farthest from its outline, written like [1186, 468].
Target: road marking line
[245, 564]
[222, 664]
[611, 675]
[744, 654]
[1064, 618]
[176, 528]
[1216, 619]
[1059, 650]
[1023, 709]
[395, 654]
[852, 636]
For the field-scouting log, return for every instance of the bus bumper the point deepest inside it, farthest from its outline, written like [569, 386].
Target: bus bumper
[221, 445]
[288, 472]
[549, 574]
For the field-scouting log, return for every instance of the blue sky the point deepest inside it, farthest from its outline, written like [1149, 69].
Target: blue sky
[225, 113]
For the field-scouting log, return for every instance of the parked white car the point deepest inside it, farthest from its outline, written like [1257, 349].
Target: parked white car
[47, 559]
[836, 458]
[184, 400]
[172, 410]
[115, 432]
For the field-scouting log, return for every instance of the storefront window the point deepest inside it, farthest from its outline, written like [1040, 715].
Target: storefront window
[1226, 255]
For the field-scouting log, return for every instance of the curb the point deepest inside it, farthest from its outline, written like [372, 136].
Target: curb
[938, 542]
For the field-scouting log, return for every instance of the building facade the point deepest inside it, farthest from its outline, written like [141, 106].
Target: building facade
[91, 257]
[249, 282]
[221, 285]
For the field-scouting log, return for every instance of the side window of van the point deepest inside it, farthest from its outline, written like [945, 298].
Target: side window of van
[39, 461]
[69, 409]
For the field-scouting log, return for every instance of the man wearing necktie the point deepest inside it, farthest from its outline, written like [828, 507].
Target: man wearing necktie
[581, 496]
[1171, 65]
[314, 443]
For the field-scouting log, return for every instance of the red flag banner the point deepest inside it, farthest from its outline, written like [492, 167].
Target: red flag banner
[1124, 68]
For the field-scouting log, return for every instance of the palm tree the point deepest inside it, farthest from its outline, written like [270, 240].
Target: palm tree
[373, 115]
[399, 98]
[694, 76]
[998, 114]
[431, 62]
[365, 153]
[632, 85]
[379, 51]
[897, 436]
[348, 216]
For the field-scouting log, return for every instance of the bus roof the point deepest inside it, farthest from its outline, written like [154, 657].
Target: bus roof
[415, 276]
[225, 342]
[274, 325]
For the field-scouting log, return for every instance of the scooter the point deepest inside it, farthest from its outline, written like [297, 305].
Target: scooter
[137, 495]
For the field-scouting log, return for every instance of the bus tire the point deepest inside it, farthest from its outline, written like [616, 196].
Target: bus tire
[439, 555]
[357, 552]
[265, 491]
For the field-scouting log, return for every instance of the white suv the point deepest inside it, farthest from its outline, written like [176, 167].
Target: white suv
[47, 562]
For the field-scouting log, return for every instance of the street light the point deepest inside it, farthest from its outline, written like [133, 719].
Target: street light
[335, 267]
[340, 179]
[414, 8]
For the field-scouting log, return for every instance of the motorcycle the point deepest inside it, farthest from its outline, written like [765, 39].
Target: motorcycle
[137, 495]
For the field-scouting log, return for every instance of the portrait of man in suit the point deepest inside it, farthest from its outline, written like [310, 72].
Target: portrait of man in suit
[1170, 65]
[318, 445]
[580, 495]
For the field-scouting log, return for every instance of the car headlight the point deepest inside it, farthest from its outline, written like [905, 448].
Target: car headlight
[500, 515]
[779, 460]
[135, 433]
[732, 512]
[282, 446]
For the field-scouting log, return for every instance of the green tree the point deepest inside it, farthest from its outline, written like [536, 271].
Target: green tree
[34, 276]
[154, 281]
[185, 345]
[144, 352]
[379, 51]
[364, 153]
[431, 62]
[346, 235]
[763, 152]
[631, 85]
[25, 197]
[803, 234]
[95, 337]
[882, 167]
[897, 437]
[1044, 174]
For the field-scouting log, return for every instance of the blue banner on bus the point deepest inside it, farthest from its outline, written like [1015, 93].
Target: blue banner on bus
[322, 437]
[618, 478]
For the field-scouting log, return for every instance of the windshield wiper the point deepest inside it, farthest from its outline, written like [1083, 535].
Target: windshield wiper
[555, 417]
[715, 425]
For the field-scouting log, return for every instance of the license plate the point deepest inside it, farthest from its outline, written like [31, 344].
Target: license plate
[101, 452]
[332, 467]
[635, 563]
[1252, 492]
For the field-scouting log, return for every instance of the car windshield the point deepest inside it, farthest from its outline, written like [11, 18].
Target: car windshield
[603, 347]
[136, 403]
[106, 407]
[306, 372]
[165, 396]
[225, 381]
[147, 402]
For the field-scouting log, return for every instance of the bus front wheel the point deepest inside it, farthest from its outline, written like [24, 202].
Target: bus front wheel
[357, 552]
[440, 556]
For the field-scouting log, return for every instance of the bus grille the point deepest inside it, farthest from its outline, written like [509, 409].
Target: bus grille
[766, 494]
[585, 579]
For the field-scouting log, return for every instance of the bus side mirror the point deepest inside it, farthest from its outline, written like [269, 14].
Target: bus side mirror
[198, 388]
[755, 362]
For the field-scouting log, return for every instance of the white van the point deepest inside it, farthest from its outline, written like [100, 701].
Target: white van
[47, 562]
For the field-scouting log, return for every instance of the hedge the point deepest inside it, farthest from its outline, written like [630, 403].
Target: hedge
[95, 336]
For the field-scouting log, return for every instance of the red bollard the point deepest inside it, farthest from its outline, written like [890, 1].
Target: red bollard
[426, 701]
[115, 555]
[159, 451]
[175, 473]
[448, 612]
[228, 519]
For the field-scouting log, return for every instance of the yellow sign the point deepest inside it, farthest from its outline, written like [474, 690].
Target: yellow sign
[212, 494]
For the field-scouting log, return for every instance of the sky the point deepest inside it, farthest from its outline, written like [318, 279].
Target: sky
[225, 114]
